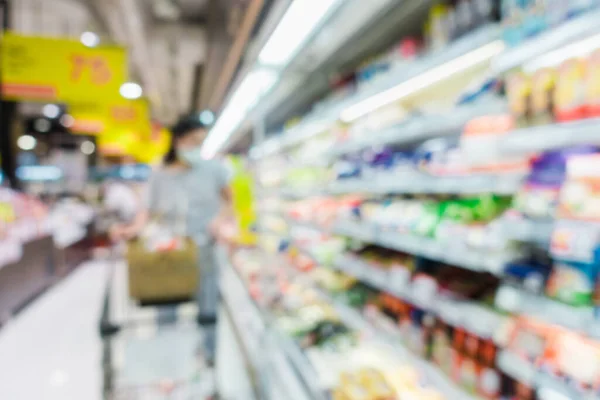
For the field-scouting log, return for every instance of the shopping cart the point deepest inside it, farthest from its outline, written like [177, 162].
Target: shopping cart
[150, 352]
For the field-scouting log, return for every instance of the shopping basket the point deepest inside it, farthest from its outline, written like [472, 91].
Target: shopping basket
[158, 276]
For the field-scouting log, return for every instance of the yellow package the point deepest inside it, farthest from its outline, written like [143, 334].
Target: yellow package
[569, 96]
[592, 85]
[377, 384]
[518, 91]
[542, 93]
[355, 391]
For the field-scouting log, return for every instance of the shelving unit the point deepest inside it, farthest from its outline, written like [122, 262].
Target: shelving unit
[285, 360]
[550, 137]
[419, 128]
[582, 27]
[519, 238]
[388, 183]
[392, 341]
[472, 259]
[486, 39]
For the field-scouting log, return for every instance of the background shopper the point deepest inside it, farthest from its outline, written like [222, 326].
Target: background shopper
[192, 197]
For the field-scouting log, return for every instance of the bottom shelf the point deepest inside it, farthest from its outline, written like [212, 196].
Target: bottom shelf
[313, 345]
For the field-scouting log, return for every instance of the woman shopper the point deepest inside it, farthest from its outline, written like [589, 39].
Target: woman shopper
[194, 190]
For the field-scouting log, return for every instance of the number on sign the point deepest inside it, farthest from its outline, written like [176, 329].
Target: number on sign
[99, 71]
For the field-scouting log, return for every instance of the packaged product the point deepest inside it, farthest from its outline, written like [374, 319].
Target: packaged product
[464, 16]
[572, 283]
[528, 340]
[557, 11]
[593, 85]
[467, 372]
[577, 7]
[485, 11]
[575, 360]
[376, 384]
[534, 19]
[518, 91]
[490, 381]
[542, 92]
[512, 13]
[441, 346]
[580, 194]
[539, 196]
[570, 92]
[439, 25]
[428, 220]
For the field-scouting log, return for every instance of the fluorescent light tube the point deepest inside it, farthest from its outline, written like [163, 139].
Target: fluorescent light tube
[422, 81]
[244, 98]
[298, 23]
[554, 58]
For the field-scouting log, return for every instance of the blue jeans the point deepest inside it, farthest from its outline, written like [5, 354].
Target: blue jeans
[208, 298]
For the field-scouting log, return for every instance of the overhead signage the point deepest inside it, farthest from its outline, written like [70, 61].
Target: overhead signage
[60, 70]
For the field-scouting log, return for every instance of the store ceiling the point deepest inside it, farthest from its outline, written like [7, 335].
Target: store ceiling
[168, 39]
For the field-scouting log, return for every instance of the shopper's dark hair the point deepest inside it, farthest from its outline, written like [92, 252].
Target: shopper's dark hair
[183, 127]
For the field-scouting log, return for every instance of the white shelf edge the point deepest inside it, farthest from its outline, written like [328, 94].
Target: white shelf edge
[550, 137]
[436, 378]
[420, 128]
[421, 183]
[329, 114]
[478, 260]
[552, 39]
[293, 353]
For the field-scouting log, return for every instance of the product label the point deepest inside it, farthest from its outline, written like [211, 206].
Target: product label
[575, 240]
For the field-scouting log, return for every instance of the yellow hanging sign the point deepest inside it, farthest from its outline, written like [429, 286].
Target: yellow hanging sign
[60, 70]
[95, 119]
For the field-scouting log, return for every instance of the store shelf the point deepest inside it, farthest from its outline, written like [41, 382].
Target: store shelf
[392, 340]
[294, 368]
[550, 137]
[476, 260]
[579, 28]
[528, 231]
[317, 121]
[390, 183]
[541, 308]
[419, 128]
[357, 230]
[380, 279]
[522, 370]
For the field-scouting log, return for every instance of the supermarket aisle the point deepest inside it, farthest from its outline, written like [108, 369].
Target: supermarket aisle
[52, 350]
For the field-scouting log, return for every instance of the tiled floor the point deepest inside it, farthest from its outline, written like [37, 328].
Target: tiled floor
[51, 350]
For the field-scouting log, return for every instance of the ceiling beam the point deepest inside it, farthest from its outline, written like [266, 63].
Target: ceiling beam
[235, 53]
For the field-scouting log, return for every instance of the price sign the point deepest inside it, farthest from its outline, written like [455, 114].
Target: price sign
[61, 70]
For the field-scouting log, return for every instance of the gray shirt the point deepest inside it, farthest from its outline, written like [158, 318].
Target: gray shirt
[187, 201]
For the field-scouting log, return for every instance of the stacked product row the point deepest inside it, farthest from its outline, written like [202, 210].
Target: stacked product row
[453, 210]
[346, 365]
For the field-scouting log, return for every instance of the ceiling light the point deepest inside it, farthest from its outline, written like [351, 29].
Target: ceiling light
[42, 125]
[89, 39]
[87, 147]
[26, 142]
[244, 98]
[207, 117]
[39, 173]
[554, 58]
[51, 111]
[420, 82]
[298, 23]
[67, 121]
[131, 90]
